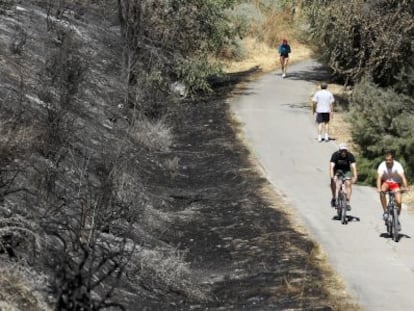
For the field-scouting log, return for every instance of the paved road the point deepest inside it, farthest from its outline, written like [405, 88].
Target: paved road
[378, 272]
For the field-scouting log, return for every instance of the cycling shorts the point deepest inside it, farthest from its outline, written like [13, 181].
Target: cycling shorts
[347, 174]
[392, 185]
[322, 117]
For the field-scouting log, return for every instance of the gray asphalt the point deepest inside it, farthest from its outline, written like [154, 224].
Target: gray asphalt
[281, 133]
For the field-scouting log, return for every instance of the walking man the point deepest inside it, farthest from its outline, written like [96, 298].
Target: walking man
[322, 105]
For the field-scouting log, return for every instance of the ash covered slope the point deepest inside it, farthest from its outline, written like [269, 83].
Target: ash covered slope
[103, 206]
[77, 211]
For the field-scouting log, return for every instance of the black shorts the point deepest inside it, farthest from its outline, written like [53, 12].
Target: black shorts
[284, 55]
[322, 117]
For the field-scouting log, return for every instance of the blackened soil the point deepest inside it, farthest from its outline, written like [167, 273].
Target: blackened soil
[244, 248]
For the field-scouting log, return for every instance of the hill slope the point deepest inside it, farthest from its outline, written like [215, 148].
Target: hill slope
[99, 212]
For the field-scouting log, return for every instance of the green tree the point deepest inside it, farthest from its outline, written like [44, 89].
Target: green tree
[356, 38]
[172, 39]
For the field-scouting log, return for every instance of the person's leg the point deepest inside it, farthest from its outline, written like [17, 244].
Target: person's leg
[320, 128]
[333, 191]
[398, 200]
[319, 120]
[383, 198]
[348, 187]
[327, 130]
[282, 63]
[286, 64]
[333, 188]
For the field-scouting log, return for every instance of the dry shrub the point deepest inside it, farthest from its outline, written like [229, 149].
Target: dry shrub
[16, 292]
[155, 220]
[20, 229]
[155, 135]
[277, 26]
[15, 139]
[173, 166]
[167, 268]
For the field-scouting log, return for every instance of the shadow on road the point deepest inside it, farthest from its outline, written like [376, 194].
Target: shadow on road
[349, 218]
[314, 74]
[385, 235]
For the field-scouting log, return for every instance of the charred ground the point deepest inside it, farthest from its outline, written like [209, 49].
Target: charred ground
[104, 211]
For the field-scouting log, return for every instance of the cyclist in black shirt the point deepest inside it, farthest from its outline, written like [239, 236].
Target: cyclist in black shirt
[343, 160]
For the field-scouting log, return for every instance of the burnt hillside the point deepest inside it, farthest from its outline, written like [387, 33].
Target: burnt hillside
[111, 205]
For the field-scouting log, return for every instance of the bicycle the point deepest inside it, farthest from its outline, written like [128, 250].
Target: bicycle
[340, 203]
[392, 223]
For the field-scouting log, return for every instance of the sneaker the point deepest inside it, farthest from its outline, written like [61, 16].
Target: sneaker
[333, 202]
[348, 206]
[327, 139]
[319, 139]
[385, 216]
[284, 75]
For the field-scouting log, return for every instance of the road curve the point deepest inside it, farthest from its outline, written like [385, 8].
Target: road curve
[281, 132]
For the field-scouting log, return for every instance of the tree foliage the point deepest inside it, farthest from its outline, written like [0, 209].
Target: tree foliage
[358, 38]
[164, 36]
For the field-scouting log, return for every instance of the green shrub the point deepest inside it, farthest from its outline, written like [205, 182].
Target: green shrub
[382, 120]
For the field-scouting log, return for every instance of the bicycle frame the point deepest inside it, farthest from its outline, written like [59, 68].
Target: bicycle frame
[341, 198]
[392, 221]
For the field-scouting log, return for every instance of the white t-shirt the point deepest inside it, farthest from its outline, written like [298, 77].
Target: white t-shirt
[390, 174]
[323, 100]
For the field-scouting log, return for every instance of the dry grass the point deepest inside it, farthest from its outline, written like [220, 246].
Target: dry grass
[155, 135]
[15, 138]
[173, 166]
[263, 52]
[409, 199]
[266, 57]
[168, 268]
[16, 292]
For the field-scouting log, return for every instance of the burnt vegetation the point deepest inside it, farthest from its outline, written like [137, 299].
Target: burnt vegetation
[122, 184]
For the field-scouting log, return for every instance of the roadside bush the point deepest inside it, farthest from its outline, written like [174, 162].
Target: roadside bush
[381, 121]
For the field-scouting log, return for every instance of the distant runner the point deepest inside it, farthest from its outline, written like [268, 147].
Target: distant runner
[284, 50]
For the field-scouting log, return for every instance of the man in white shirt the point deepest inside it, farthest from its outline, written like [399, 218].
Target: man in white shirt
[322, 105]
[390, 177]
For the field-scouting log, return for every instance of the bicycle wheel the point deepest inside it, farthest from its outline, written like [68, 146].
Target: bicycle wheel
[395, 225]
[339, 209]
[342, 207]
[388, 224]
